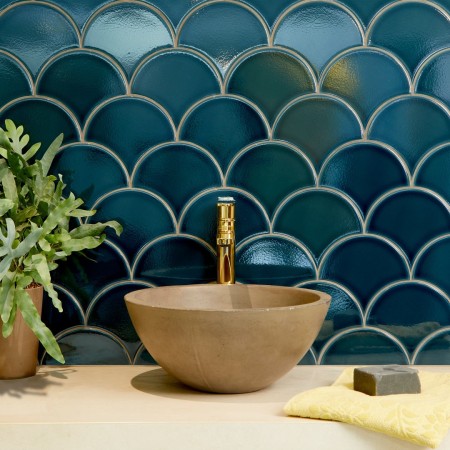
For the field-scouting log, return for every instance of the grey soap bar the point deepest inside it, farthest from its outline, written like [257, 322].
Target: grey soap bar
[386, 380]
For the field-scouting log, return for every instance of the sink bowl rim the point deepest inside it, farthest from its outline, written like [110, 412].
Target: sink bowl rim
[323, 298]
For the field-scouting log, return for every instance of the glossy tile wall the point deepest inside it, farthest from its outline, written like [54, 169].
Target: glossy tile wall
[328, 121]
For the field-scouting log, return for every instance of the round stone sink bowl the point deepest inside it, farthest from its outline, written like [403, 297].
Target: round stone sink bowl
[227, 338]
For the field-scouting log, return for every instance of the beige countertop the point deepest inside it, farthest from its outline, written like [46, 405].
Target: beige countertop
[141, 407]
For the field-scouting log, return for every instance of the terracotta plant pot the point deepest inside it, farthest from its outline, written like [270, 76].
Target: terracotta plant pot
[19, 352]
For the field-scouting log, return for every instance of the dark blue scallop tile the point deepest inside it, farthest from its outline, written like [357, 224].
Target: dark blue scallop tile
[5, 3]
[176, 79]
[175, 10]
[89, 171]
[317, 218]
[433, 264]
[366, 9]
[342, 313]
[308, 360]
[364, 347]
[353, 77]
[80, 11]
[364, 264]
[412, 30]
[273, 260]
[143, 357]
[356, 168]
[81, 80]
[434, 172]
[90, 347]
[410, 311]
[434, 77]
[318, 31]
[412, 125]
[43, 120]
[108, 310]
[317, 125]
[436, 351]
[34, 32]
[143, 217]
[445, 4]
[271, 171]
[71, 316]
[128, 32]
[410, 217]
[271, 79]
[14, 80]
[176, 260]
[270, 10]
[200, 219]
[223, 126]
[129, 127]
[177, 172]
[223, 31]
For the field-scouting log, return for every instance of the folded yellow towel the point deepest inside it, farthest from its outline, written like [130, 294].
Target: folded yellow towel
[418, 418]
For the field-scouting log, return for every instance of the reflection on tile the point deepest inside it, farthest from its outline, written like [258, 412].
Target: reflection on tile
[128, 32]
[318, 31]
[356, 168]
[223, 31]
[34, 32]
[273, 260]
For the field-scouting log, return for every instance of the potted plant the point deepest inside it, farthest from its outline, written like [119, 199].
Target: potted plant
[38, 227]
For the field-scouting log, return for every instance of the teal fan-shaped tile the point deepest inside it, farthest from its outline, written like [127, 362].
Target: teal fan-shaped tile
[410, 311]
[175, 260]
[43, 120]
[364, 264]
[176, 79]
[271, 79]
[72, 314]
[318, 31]
[271, 171]
[317, 218]
[89, 171]
[344, 311]
[81, 80]
[223, 31]
[80, 11]
[365, 78]
[81, 276]
[366, 9]
[175, 10]
[317, 124]
[435, 351]
[364, 346]
[433, 262]
[309, 359]
[34, 32]
[273, 260]
[194, 171]
[108, 311]
[355, 169]
[412, 125]
[412, 30]
[129, 127]
[143, 217]
[434, 171]
[15, 81]
[434, 77]
[127, 31]
[409, 217]
[143, 358]
[223, 126]
[270, 10]
[90, 346]
[5, 3]
[200, 216]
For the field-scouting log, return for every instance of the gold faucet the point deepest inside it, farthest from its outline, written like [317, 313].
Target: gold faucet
[225, 240]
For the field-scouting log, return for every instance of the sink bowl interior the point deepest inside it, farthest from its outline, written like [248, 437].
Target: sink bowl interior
[227, 338]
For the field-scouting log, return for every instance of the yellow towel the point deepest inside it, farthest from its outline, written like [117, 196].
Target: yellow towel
[418, 418]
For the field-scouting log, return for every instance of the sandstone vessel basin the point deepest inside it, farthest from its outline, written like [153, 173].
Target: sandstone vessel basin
[227, 338]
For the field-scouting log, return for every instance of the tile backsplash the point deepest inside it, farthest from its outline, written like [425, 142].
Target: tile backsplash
[328, 121]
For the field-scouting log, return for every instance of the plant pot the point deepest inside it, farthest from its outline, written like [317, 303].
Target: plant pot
[19, 352]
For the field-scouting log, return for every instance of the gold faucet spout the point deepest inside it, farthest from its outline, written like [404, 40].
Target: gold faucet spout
[225, 240]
